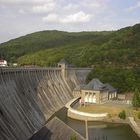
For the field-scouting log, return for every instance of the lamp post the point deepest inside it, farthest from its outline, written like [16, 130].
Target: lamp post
[86, 128]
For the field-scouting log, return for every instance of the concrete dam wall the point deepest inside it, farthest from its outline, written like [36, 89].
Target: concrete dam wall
[29, 97]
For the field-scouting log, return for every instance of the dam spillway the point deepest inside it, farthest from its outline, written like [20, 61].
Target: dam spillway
[30, 96]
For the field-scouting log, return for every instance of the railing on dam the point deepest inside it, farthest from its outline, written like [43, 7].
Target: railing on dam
[17, 69]
[78, 115]
[32, 68]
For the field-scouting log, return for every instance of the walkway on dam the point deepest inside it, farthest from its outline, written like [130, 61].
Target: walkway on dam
[68, 105]
[75, 114]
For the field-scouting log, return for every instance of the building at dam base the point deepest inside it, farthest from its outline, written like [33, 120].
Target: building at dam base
[95, 92]
[3, 63]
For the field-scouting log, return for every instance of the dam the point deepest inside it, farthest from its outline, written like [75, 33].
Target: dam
[30, 96]
[32, 106]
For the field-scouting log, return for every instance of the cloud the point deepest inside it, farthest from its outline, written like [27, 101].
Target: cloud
[92, 4]
[44, 8]
[134, 7]
[21, 11]
[11, 1]
[79, 17]
[24, 1]
[51, 18]
[71, 6]
[68, 15]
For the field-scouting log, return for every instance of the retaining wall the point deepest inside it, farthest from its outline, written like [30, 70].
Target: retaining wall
[78, 115]
[134, 126]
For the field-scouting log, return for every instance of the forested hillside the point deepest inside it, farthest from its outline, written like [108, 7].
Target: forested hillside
[115, 55]
[41, 41]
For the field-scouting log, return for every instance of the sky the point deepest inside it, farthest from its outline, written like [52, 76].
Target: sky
[21, 17]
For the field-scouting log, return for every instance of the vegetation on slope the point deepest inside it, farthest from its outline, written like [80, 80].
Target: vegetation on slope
[124, 79]
[32, 43]
[115, 54]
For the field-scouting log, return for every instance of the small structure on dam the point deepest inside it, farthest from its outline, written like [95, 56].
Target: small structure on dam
[3, 63]
[95, 92]
[63, 64]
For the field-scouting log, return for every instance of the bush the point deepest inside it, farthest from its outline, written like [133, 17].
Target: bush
[139, 115]
[73, 138]
[122, 115]
[136, 99]
[109, 115]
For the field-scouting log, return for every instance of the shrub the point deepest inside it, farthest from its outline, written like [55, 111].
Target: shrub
[122, 115]
[139, 115]
[109, 115]
[136, 99]
[73, 138]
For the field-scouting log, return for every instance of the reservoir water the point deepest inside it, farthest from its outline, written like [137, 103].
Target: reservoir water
[99, 130]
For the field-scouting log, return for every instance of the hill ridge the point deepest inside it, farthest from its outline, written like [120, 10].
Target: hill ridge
[111, 52]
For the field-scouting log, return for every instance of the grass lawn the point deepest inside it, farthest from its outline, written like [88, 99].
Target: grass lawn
[112, 110]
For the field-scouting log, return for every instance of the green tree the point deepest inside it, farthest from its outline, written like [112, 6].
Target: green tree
[136, 99]
[122, 115]
[139, 115]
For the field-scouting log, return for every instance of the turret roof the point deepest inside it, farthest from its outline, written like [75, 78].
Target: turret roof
[63, 61]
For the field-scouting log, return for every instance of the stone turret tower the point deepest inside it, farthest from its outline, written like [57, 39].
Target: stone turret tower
[63, 64]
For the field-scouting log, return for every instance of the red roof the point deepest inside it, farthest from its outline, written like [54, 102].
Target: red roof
[1, 60]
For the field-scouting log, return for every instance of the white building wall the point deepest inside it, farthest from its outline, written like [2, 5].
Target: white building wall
[3, 64]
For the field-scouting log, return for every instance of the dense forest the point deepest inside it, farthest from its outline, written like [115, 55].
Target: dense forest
[114, 54]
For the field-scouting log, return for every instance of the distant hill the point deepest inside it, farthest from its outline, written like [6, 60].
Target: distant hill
[111, 52]
[41, 41]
